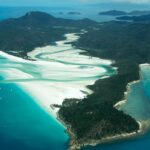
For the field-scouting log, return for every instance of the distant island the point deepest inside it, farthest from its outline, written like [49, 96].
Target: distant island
[36, 29]
[70, 13]
[74, 13]
[93, 119]
[140, 18]
[113, 13]
[138, 12]
[122, 13]
[60, 13]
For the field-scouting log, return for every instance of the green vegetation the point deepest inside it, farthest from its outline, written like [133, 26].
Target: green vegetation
[113, 13]
[141, 18]
[134, 13]
[36, 29]
[129, 45]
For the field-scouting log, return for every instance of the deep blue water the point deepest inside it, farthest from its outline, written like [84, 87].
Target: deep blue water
[140, 143]
[25, 126]
[86, 12]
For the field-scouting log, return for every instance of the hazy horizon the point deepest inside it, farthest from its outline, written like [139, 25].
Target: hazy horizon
[100, 7]
[100, 4]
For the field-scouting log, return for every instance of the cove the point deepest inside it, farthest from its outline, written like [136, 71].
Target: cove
[138, 106]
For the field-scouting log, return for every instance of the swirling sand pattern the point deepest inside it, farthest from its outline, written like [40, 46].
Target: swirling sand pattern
[58, 72]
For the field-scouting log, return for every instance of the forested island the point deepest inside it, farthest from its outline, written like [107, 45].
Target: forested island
[74, 13]
[140, 18]
[127, 43]
[123, 13]
[95, 117]
[113, 13]
[36, 29]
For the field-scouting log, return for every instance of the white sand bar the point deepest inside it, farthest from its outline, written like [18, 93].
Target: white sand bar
[59, 72]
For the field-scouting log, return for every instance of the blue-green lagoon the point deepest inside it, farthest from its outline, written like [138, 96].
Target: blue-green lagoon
[25, 126]
[138, 106]
[28, 89]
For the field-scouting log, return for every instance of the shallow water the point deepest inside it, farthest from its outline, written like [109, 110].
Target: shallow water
[28, 88]
[25, 126]
[24, 122]
[138, 106]
[86, 12]
[26, 118]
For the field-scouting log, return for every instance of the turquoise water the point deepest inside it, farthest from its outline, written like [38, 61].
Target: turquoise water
[142, 143]
[86, 12]
[25, 126]
[138, 105]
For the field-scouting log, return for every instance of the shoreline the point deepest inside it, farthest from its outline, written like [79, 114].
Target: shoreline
[68, 78]
[65, 45]
[74, 145]
[118, 104]
[143, 126]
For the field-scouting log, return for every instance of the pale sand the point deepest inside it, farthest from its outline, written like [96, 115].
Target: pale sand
[60, 73]
[70, 55]
[143, 125]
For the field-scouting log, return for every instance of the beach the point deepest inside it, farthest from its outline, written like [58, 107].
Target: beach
[144, 123]
[59, 72]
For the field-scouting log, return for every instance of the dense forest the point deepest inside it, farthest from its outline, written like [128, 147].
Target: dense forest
[129, 45]
[135, 13]
[36, 29]
[140, 18]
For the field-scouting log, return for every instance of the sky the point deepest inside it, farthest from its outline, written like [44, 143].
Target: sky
[68, 2]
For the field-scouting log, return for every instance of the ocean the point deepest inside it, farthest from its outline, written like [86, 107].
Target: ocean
[25, 126]
[27, 121]
[61, 12]
[138, 105]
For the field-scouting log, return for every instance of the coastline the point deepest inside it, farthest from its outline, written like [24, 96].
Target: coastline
[118, 104]
[74, 145]
[66, 49]
[63, 71]
[143, 126]
[41, 93]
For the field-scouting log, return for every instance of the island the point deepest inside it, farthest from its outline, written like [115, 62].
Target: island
[36, 29]
[113, 13]
[122, 42]
[74, 13]
[60, 13]
[123, 13]
[140, 18]
[139, 12]
[95, 118]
